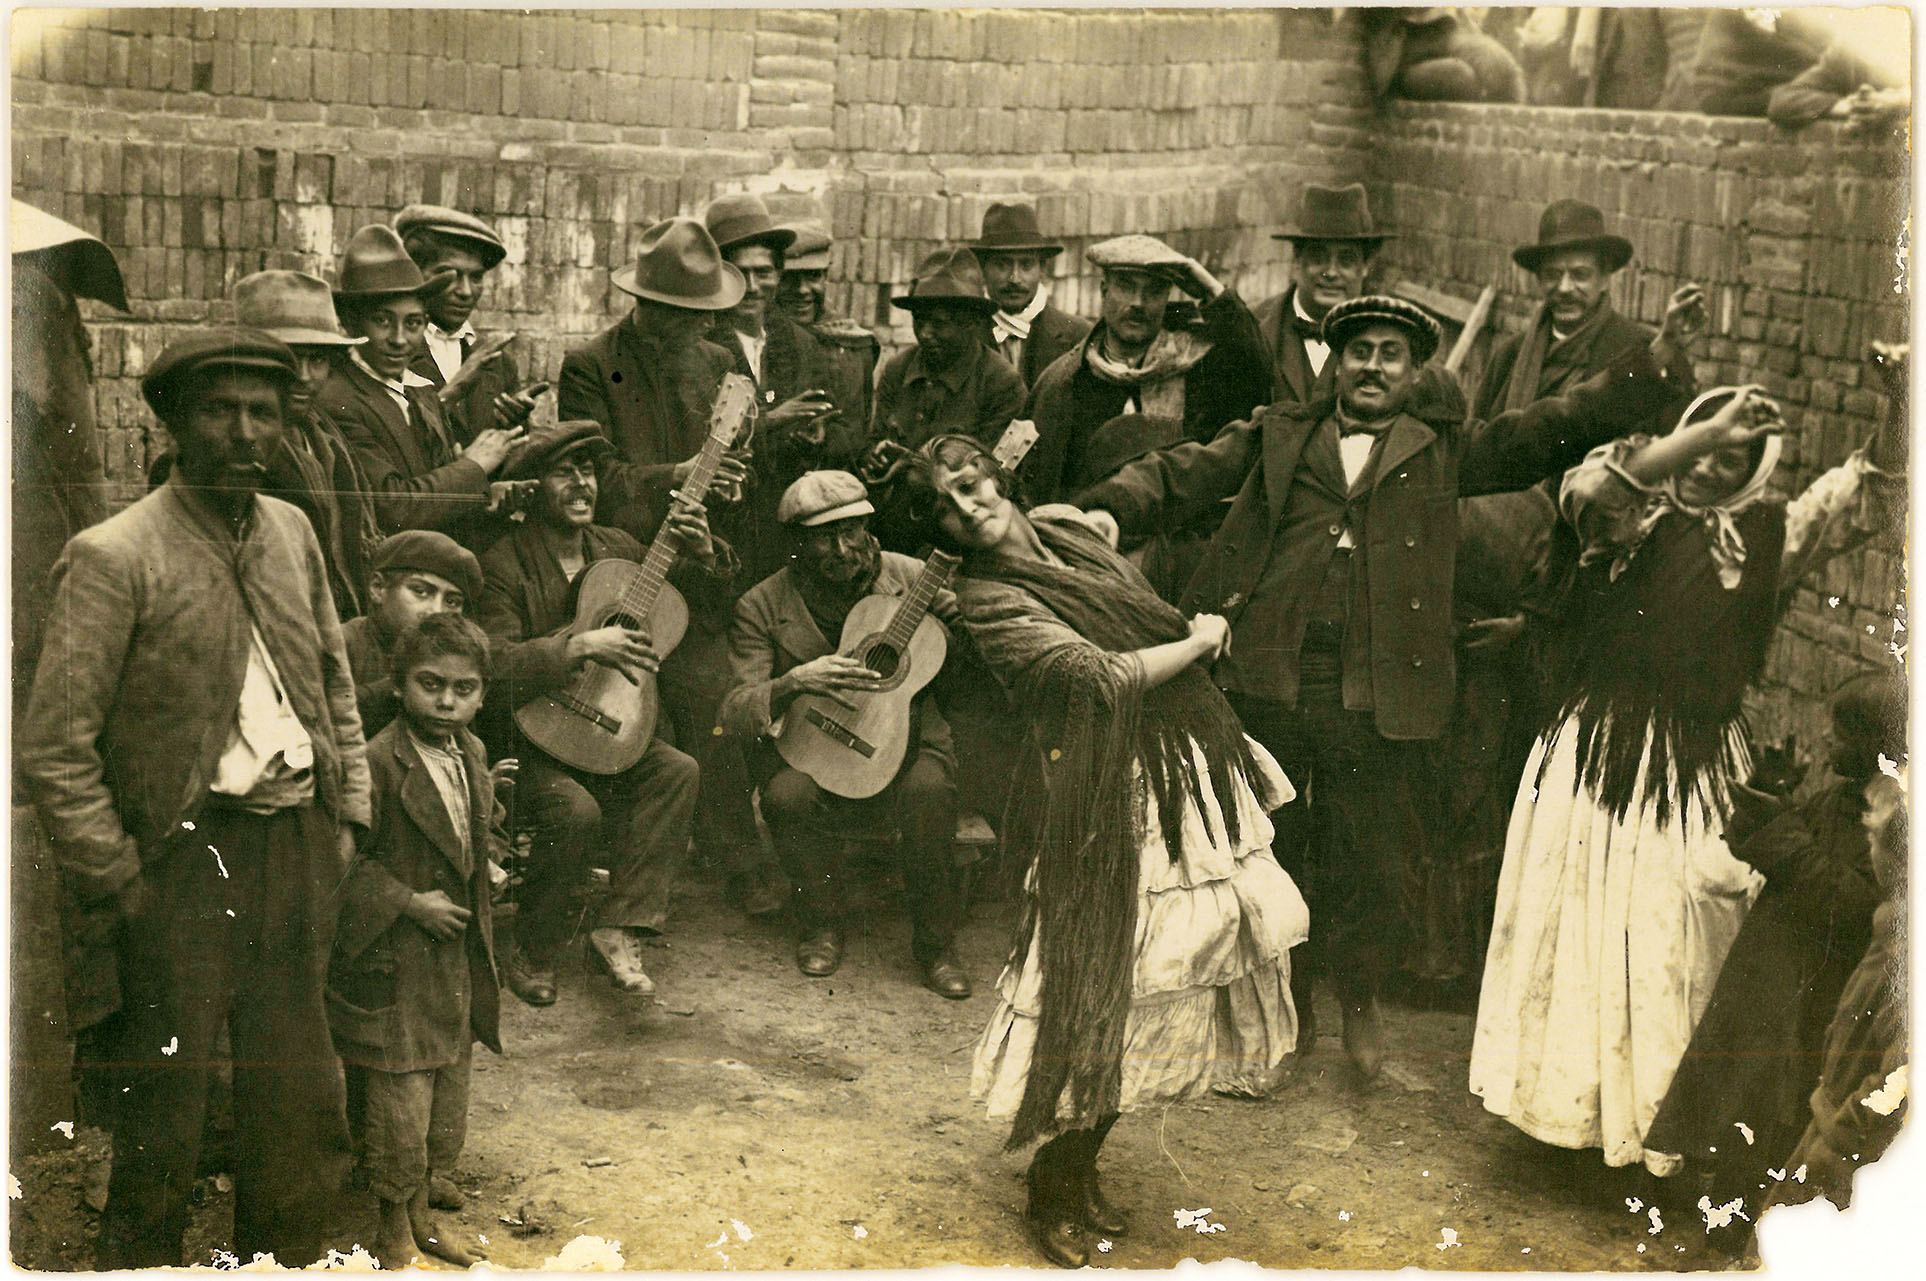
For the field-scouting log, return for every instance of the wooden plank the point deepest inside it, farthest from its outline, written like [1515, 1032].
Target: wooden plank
[1474, 325]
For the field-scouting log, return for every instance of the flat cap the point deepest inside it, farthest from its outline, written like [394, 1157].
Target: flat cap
[546, 444]
[811, 250]
[1354, 313]
[818, 497]
[1145, 253]
[427, 552]
[214, 348]
[455, 225]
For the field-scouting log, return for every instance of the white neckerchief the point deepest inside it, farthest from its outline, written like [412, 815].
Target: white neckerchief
[444, 348]
[1315, 351]
[1008, 324]
[752, 347]
[399, 390]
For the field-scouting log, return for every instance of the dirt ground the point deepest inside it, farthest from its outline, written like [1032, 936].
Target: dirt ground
[750, 1118]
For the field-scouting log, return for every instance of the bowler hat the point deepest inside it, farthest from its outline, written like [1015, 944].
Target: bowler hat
[1013, 229]
[213, 348]
[1573, 224]
[1124, 439]
[1334, 213]
[819, 497]
[374, 265]
[1354, 313]
[947, 278]
[810, 252]
[677, 262]
[428, 552]
[547, 445]
[453, 224]
[291, 305]
[743, 219]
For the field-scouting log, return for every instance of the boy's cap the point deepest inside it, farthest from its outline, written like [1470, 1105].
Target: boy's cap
[428, 552]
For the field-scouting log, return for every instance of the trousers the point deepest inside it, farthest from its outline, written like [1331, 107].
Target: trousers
[648, 810]
[812, 829]
[693, 682]
[414, 1123]
[234, 934]
[1365, 804]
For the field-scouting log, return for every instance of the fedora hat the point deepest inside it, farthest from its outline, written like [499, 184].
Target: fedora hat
[1354, 313]
[743, 219]
[1573, 224]
[947, 278]
[1012, 229]
[453, 224]
[677, 262]
[291, 305]
[1334, 213]
[375, 265]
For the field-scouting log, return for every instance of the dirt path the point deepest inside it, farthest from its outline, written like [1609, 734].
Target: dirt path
[754, 1119]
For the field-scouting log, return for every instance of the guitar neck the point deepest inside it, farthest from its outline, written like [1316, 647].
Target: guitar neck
[909, 615]
[733, 403]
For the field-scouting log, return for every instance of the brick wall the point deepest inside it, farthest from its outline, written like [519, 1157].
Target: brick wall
[1795, 237]
[204, 145]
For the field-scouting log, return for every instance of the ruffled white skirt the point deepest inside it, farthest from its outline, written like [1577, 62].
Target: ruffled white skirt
[1210, 1001]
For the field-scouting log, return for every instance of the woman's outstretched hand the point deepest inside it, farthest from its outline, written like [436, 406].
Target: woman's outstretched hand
[1212, 634]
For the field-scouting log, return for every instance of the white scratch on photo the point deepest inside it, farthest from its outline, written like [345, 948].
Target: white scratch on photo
[1198, 1219]
[1745, 1132]
[1450, 1239]
[64, 1128]
[1886, 1099]
[1719, 1216]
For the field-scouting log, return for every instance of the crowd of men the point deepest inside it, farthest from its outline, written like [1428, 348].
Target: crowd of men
[226, 658]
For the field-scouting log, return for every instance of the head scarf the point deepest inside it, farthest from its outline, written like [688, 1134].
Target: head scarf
[1728, 546]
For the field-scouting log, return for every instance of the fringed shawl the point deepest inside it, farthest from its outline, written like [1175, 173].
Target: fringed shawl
[1078, 816]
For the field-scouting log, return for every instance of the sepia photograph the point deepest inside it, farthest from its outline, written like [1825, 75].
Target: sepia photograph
[784, 639]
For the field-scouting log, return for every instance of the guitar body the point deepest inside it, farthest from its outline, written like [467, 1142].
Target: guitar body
[601, 722]
[853, 743]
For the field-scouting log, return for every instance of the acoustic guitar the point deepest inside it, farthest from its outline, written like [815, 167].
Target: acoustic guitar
[602, 721]
[853, 742]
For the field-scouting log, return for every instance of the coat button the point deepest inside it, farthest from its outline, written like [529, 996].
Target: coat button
[1336, 530]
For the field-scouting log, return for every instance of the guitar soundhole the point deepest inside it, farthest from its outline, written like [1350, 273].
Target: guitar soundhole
[882, 660]
[629, 621]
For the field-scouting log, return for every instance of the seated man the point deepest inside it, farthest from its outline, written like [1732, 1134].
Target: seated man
[413, 574]
[526, 611]
[784, 644]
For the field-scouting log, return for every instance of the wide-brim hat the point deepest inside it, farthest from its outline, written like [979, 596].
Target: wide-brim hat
[677, 262]
[214, 347]
[91, 270]
[549, 443]
[1125, 439]
[375, 265]
[735, 221]
[1354, 313]
[291, 305]
[948, 278]
[810, 252]
[1573, 224]
[453, 224]
[1012, 229]
[1335, 213]
[819, 497]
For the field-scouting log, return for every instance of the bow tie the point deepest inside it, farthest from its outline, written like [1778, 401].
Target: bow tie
[1355, 427]
[1307, 330]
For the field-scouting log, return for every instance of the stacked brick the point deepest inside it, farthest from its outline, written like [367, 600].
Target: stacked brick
[1798, 240]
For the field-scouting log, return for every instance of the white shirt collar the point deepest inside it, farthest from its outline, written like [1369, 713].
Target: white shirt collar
[409, 378]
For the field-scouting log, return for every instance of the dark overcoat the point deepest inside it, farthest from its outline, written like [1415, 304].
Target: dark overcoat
[1410, 524]
[1052, 333]
[473, 410]
[399, 999]
[418, 479]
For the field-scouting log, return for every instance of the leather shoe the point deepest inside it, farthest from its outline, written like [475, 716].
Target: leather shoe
[1055, 1210]
[945, 977]
[534, 984]
[820, 952]
[1098, 1214]
[614, 951]
[1364, 1037]
[1062, 1241]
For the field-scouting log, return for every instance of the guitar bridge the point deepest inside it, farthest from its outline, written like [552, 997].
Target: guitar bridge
[593, 715]
[841, 733]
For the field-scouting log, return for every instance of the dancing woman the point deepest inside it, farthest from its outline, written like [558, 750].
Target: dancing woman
[1152, 961]
[1618, 897]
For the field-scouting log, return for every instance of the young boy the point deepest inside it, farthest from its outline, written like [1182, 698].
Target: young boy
[412, 985]
[413, 574]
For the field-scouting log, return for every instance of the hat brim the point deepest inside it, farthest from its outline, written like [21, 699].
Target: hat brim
[1024, 247]
[1613, 251]
[492, 252]
[731, 292]
[816, 260]
[777, 238]
[861, 507]
[422, 290]
[912, 303]
[1374, 238]
[312, 337]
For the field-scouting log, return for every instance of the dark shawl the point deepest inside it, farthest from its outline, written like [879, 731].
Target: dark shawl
[1079, 816]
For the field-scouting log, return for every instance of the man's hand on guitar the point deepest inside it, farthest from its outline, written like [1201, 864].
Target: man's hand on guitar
[623, 648]
[828, 675]
[688, 524]
[731, 471]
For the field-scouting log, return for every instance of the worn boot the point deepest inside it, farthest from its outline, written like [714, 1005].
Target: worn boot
[1098, 1214]
[1055, 1212]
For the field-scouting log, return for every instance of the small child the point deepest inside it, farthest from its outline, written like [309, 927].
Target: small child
[413, 983]
[412, 574]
